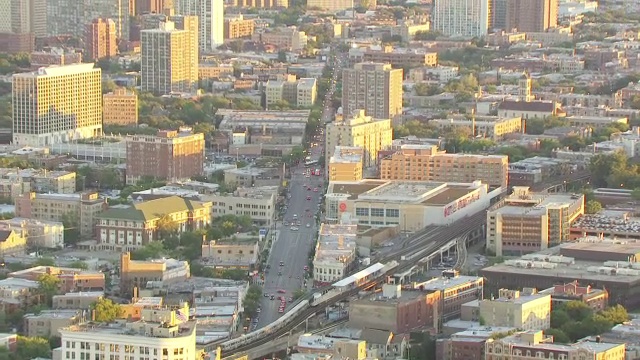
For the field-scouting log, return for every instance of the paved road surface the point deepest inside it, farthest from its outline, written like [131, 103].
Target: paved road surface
[291, 247]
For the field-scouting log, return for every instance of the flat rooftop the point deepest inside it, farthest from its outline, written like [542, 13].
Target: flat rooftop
[280, 119]
[412, 192]
[550, 263]
[443, 283]
[129, 328]
[536, 205]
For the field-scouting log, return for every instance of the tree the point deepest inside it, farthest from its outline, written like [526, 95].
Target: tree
[71, 228]
[106, 310]
[48, 287]
[422, 347]
[152, 250]
[44, 261]
[558, 318]
[79, 265]
[166, 226]
[593, 207]
[252, 300]
[299, 293]
[558, 336]
[616, 314]
[602, 166]
[578, 310]
[32, 347]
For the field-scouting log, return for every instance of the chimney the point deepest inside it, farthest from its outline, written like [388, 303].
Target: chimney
[598, 339]
[93, 315]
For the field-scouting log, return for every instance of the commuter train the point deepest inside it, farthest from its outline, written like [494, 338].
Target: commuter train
[360, 279]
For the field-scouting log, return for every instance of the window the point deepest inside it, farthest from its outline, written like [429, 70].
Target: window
[362, 212]
[393, 213]
[375, 212]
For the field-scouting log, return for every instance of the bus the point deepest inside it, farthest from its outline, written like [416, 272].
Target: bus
[310, 163]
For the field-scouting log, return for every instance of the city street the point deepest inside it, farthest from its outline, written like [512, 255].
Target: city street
[292, 246]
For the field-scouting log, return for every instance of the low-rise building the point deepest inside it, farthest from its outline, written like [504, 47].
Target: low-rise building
[325, 346]
[454, 290]
[70, 279]
[538, 169]
[163, 331]
[81, 208]
[493, 127]
[231, 255]
[426, 163]
[528, 109]
[536, 344]
[218, 306]
[259, 203]
[135, 226]
[335, 253]
[597, 299]
[607, 225]
[528, 310]
[47, 323]
[410, 205]
[76, 300]
[400, 58]
[396, 310]
[38, 233]
[40, 181]
[248, 177]
[285, 38]
[137, 273]
[603, 264]
[527, 222]
[346, 164]
[12, 243]
[17, 293]
[596, 121]
[120, 107]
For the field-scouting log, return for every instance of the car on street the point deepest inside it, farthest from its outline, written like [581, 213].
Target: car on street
[308, 198]
[308, 225]
[294, 228]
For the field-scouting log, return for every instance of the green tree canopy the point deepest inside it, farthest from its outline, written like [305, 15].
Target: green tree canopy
[592, 207]
[106, 310]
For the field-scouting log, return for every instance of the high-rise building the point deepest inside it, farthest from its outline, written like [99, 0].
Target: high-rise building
[169, 61]
[370, 134]
[70, 17]
[210, 14]
[498, 18]
[171, 156]
[57, 104]
[461, 17]
[15, 26]
[142, 7]
[531, 15]
[374, 87]
[100, 39]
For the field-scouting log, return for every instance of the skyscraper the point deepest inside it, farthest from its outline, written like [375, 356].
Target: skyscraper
[57, 104]
[374, 87]
[15, 26]
[531, 15]
[100, 39]
[461, 17]
[70, 17]
[169, 61]
[211, 20]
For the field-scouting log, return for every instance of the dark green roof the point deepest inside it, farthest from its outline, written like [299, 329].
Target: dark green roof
[152, 209]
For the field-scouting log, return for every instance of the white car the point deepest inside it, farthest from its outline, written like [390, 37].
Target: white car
[308, 225]
[293, 228]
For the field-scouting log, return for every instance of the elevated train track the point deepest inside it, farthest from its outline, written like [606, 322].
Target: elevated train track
[427, 242]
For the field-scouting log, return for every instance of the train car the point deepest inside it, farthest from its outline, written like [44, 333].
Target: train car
[360, 278]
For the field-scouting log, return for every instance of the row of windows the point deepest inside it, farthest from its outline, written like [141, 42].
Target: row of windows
[377, 212]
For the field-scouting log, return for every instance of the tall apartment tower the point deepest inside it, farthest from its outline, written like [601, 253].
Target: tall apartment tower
[70, 17]
[57, 104]
[171, 156]
[498, 18]
[375, 88]
[16, 33]
[532, 15]
[100, 39]
[461, 17]
[210, 15]
[169, 61]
